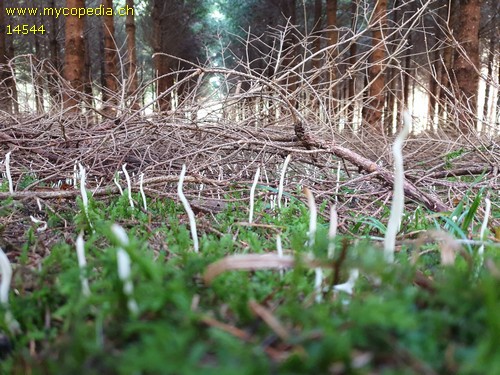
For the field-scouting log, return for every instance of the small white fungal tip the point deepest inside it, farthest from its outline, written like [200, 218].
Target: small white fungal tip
[82, 263]
[279, 250]
[85, 200]
[129, 185]
[75, 176]
[187, 207]
[318, 281]
[124, 267]
[313, 216]
[337, 185]
[120, 234]
[282, 178]
[43, 226]
[279, 247]
[252, 194]
[116, 180]
[348, 287]
[7, 172]
[484, 226]
[332, 231]
[80, 245]
[143, 194]
[124, 273]
[132, 306]
[6, 272]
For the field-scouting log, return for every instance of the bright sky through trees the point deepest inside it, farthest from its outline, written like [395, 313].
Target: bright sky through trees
[217, 15]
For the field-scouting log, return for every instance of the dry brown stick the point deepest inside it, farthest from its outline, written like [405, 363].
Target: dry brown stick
[270, 319]
[111, 189]
[236, 332]
[431, 202]
[462, 172]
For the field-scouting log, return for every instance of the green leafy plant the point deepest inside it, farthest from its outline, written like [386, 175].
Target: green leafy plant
[412, 316]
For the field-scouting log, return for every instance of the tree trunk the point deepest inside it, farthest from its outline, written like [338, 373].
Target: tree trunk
[466, 63]
[391, 104]
[131, 66]
[450, 14]
[351, 62]
[434, 90]
[55, 60]
[5, 72]
[377, 80]
[110, 88]
[390, 101]
[87, 69]
[435, 69]
[38, 78]
[318, 27]
[164, 80]
[11, 82]
[489, 83]
[407, 75]
[332, 37]
[74, 57]
[288, 9]
[332, 34]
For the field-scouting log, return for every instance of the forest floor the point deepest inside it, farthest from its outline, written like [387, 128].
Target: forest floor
[433, 311]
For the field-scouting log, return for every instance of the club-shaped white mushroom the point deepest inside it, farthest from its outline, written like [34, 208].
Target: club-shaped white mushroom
[398, 195]
[124, 268]
[6, 272]
[187, 207]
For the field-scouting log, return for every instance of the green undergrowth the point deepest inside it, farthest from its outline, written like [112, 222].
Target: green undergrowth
[415, 316]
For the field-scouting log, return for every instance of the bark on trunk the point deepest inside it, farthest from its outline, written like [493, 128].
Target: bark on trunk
[375, 107]
[318, 26]
[288, 9]
[466, 64]
[332, 37]
[351, 62]
[131, 66]
[55, 59]
[110, 87]
[161, 66]
[74, 57]
[5, 74]
[489, 83]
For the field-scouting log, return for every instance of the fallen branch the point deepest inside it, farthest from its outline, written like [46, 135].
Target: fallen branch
[462, 172]
[431, 202]
[49, 193]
